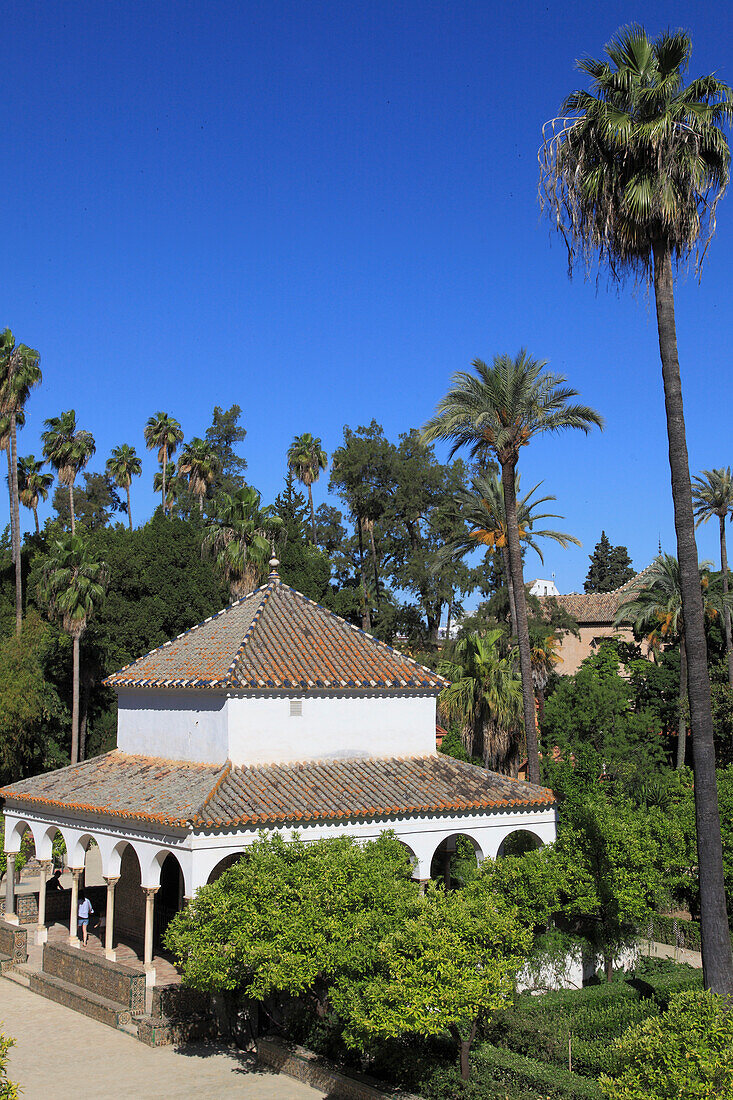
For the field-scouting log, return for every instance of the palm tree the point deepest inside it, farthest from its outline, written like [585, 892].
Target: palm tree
[496, 411]
[632, 174]
[306, 458]
[68, 451]
[5, 445]
[482, 508]
[122, 466]
[19, 373]
[240, 538]
[484, 698]
[657, 606]
[199, 463]
[72, 585]
[174, 486]
[545, 655]
[33, 484]
[164, 432]
[712, 495]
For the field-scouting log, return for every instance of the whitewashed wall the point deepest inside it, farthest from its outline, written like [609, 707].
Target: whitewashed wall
[211, 728]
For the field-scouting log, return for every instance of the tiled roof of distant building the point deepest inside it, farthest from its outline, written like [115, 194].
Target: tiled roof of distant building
[598, 607]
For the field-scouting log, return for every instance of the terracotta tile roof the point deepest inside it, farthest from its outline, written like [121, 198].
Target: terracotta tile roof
[205, 796]
[276, 638]
[597, 607]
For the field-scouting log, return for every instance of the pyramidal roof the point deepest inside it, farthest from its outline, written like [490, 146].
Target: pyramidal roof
[599, 607]
[277, 639]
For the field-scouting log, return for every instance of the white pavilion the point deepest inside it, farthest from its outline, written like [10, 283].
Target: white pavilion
[277, 715]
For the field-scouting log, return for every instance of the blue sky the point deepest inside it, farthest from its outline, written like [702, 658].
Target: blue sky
[320, 210]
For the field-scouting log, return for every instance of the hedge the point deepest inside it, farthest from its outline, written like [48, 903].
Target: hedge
[523, 1072]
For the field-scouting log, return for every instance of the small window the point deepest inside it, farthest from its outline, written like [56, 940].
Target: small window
[296, 708]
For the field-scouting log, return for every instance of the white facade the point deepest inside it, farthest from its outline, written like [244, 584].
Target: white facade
[540, 587]
[209, 727]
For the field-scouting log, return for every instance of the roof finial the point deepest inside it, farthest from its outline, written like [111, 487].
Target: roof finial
[274, 575]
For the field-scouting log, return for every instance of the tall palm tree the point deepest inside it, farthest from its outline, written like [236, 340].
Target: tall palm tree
[632, 174]
[712, 495]
[33, 485]
[164, 432]
[545, 655]
[496, 411]
[20, 371]
[174, 486]
[122, 466]
[306, 458]
[72, 586]
[482, 509]
[5, 446]
[484, 698]
[240, 538]
[200, 463]
[68, 450]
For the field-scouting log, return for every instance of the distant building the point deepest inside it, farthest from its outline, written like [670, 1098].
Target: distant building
[539, 587]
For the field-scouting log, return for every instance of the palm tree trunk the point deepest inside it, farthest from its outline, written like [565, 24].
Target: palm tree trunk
[10, 499]
[35, 516]
[520, 601]
[129, 507]
[510, 589]
[201, 506]
[75, 704]
[366, 623]
[313, 514]
[16, 521]
[717, 959]
[165, 463]
[374, 561]
[71, 507]
[726, 609]
[682, 720]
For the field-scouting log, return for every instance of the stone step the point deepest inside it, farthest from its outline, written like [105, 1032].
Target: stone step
[81, 1000]
[6, 963]
[19, 979]
[129, 1029]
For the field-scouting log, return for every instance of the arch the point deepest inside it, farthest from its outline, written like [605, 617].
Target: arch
[47, 846]
[15, 830]
[77, 846]
[169, 898]
[456, 859]
[412, 857]
[518, 841]
[223, 865]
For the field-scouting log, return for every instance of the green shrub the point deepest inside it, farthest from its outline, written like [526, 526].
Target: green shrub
[8, 1091]
[687, 1053]
[520, 1072]
[677, 933]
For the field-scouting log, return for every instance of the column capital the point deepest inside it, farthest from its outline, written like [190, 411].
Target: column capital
[77, 872]
[45, 865]
[151, 891]
[111, 880]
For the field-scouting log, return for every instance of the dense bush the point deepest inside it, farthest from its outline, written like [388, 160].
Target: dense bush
[687, 1053]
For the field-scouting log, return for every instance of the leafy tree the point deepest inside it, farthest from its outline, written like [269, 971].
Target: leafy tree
[240, 538]
[93, 505]
[595, 707]
[687, 1052]
[29, 704]
[497, 410]
[164, 432]
[68, 450]
[8, 1091]
[199, 463]
[302, 565]
[632, 174]
[175, 488]
[445, 968]
[306, 459]
[223, 435]
[73, 583]
[712, 495]
[19, 373]
[484, 699]
[295, 917]
[610, 567]
[33, 484]
[122, 466]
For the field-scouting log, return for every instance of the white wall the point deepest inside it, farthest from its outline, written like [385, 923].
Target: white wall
[176, 725]
[262, 730]
[209, 728]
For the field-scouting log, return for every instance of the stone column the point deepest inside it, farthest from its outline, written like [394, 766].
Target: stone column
[76, 873]
[42, 932]
[109, 918]
[150, 892]
[10, 915]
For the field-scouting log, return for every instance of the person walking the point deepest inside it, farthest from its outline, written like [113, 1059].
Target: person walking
[85, 912]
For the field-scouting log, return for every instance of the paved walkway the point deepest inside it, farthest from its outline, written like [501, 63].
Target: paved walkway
[61, 1055]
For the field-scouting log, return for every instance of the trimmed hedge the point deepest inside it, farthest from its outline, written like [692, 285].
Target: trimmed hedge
[520, 1072]
[677, 933]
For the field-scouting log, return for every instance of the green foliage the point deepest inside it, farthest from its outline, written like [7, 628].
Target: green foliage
[8, 1091]
[291, 917]
[532, 883]
[595, 707]
[686, 1053]
[30, 708]
[223, 435]
[94, 505]
[517, 1071]
[610, 567]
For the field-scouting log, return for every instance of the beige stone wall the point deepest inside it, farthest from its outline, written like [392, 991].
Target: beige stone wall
[574, 650]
